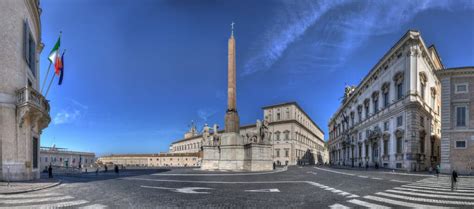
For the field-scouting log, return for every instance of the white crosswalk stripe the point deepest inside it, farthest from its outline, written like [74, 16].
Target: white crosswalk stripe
[44, 200]
[427, 193]
[367, 204]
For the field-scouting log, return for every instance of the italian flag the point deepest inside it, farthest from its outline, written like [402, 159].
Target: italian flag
[54, 54]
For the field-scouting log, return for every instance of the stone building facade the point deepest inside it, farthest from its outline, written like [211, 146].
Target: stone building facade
[457, 125]
[62, 157]
[24, 112]
[392, 118]
[154, 160]
[294, 136]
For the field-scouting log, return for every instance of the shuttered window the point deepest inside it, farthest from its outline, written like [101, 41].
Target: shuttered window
[29, 48]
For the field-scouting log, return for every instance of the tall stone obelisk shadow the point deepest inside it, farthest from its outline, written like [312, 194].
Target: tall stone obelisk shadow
[229, 151]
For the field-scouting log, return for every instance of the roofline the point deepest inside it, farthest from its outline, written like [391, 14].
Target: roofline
[299, 107]
[437, 54]
[448, 71]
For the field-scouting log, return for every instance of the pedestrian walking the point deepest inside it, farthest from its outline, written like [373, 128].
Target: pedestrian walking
[97, 171]
[437, 171]
[105, 168]
[116, 169]
[454, 179]
[367, 166]
[50, 171]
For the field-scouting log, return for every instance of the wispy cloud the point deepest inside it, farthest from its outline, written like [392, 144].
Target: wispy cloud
[71, 113]
[206, 113]
[66, 116]
[294, 20]
[337, 28]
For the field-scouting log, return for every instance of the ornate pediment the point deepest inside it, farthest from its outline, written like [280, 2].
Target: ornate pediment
[422, 133]
[399, 133]
[386, 136]
[423, 77]
[398, 78]
[385, 87]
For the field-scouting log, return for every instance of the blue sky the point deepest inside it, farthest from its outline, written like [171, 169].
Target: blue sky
[137, 72]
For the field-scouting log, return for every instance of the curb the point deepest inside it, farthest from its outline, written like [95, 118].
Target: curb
[32, 190]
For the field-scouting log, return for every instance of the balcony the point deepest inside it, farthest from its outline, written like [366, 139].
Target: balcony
[31, 104]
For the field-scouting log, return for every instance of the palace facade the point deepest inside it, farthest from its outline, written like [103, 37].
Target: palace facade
[392, 118]
[294, 136]
[62, 157]
[154, 160]
[24, 112]
[457, 124]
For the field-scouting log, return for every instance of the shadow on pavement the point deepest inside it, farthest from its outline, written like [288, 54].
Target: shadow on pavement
[100, 176]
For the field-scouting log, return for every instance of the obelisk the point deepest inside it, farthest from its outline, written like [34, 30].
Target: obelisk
[231, 116]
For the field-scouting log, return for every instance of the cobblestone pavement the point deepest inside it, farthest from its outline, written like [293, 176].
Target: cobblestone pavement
[297, 187]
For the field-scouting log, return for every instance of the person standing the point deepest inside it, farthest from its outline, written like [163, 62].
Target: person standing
[454, 179]
[105, 168]
[437, 171]
[50, 171]
[116, 168]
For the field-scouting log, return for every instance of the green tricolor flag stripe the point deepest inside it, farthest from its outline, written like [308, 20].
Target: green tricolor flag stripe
[55, 51]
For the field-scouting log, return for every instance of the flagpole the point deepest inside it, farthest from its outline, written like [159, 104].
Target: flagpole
[45, 77]
[49, 86]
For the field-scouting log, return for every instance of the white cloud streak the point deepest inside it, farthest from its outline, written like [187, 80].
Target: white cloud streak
[338, 28]
[70, 114]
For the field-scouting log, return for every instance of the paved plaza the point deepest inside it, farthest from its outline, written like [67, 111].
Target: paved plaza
[295, 187]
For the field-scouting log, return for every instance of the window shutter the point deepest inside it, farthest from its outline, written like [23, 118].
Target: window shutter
[26, 41]
[33, 57]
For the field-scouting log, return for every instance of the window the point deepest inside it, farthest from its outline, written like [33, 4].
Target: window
[460, 144]
[433, 100]
[422, 90]
[367, 110]
[376, 103]
[422, 121]
[386, 101]
[386, 125]
[385, 147]
[277, 136]
[278, 116]
[461, 88]
[422, 145]
[399, 121]
[399, 91]
[287, 135]
[461, 116]
[29, 48]
[359, 111]
[277, 152]
[35, 152]
[287, 153]
[399, 145]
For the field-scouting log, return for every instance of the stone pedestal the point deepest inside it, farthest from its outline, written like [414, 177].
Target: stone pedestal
[234, 156]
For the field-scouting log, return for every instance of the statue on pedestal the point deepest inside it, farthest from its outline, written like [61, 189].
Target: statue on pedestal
[205, 134]
[215, 135]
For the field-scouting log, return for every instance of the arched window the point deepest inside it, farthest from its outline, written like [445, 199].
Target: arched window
[277, 135]
[375, 100]
[367, 107]
[385, 94]
[423, 80]
[398, 79]
[287, 135]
